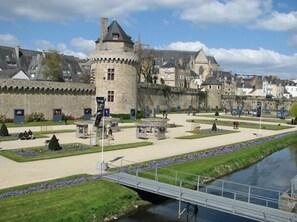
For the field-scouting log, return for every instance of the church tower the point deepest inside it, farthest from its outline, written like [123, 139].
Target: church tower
[114, 68]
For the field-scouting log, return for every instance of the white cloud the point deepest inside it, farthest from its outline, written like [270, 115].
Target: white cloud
[84, 45]
[63, 48]
[44, 45]
[9, 40]
[218, 12]
[260, 62]
[186, 46]
[199, 11]
[278, 22]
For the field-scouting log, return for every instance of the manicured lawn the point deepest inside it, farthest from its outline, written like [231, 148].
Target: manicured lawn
[87, 201]
[250, 118]
[41, 123]
[202, 134]
[241, 124]
[42, 152]
[40, 134]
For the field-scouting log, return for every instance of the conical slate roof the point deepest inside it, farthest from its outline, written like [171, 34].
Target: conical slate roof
[116, 34]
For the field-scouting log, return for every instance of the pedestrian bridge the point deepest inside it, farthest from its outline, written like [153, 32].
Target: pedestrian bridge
[238, 199]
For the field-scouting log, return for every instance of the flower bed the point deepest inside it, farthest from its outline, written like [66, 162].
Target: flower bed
[44, 150]
[48, 186]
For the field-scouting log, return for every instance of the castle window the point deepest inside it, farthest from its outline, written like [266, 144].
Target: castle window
[209, 86]
[110, 96]
[115, 36]
[110, 74]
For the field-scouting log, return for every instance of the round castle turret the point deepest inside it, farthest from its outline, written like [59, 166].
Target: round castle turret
[114, 68]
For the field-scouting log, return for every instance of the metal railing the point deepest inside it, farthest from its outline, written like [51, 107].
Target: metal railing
[232, 190]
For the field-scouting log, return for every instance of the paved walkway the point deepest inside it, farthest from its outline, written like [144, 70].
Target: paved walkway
[13, 173]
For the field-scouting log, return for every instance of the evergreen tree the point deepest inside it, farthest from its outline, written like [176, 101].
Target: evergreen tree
[214, 127]
[54, 144]
[4, 130]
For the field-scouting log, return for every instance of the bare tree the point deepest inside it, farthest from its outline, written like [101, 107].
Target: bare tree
[146, 65]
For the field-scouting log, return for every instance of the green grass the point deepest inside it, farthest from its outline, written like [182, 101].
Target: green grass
[40, 123]
[241, 124]
[95, 200]
[220, 165]
[64, 153]
[202, 134]
[250, 118]
[90, 201]
[37, 135]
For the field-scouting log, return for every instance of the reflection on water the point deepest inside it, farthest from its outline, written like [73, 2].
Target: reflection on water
[273, 172]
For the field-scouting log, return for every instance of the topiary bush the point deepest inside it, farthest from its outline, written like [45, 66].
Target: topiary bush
[214, 127]
[217, 113]
[54, 144]
[4, 130]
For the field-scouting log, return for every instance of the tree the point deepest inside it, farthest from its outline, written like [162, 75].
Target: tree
[54, 144]
[53, 66]
[146, 65]
[293, 111]
[4, 130]
[214, 127]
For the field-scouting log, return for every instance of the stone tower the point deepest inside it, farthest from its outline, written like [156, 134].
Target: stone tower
[114, 68]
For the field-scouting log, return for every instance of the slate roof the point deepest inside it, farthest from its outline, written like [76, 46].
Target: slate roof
[8, 60]
[211, 59]
[8, 74]
[211, 81]
[115, 33]
[168, 65]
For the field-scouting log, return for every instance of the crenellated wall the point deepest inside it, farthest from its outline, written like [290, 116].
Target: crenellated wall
[73, 98]
[43, 97]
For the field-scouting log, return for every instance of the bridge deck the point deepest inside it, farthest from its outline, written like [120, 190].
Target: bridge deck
[221, 203]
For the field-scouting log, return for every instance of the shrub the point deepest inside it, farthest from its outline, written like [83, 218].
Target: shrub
[34, 117]
[54, 144]
[2, 118]
[214, 127]
[217, 113]
[4, 130]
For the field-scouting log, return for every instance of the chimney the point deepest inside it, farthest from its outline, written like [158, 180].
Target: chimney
[104, 28]
[17, 52]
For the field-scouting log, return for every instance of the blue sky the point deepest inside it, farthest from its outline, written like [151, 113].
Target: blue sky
[245, 36]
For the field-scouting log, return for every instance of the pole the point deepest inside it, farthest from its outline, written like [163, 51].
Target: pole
[102, 141]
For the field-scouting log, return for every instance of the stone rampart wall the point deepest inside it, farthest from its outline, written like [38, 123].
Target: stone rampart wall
[73, 98]
[152, 96]
[43, 97]
[250, 103]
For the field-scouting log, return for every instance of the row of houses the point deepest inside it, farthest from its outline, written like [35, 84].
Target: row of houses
[183, 69]
[197, 70]
[18, 63]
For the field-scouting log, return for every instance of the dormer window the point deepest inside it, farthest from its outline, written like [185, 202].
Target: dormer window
[115, 36]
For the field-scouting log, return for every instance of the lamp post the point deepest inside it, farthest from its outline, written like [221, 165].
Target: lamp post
[100, 114]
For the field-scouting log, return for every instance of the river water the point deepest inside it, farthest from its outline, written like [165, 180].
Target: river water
[273, 172]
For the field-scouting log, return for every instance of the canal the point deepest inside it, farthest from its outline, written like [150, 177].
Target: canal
[273, 172]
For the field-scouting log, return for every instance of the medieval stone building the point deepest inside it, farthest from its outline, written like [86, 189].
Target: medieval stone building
[114, 68]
